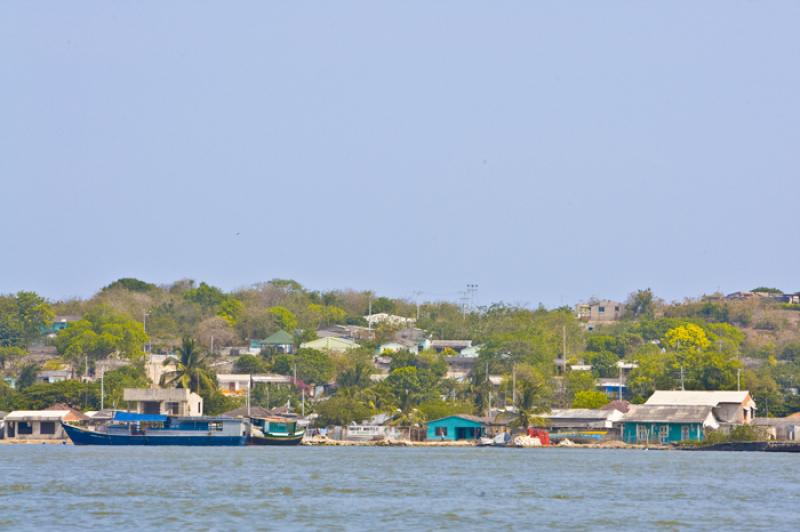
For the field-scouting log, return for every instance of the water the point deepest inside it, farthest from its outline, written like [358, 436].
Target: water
[148, 488]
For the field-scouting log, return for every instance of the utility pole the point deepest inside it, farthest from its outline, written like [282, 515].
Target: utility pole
[739, 380]
[212, 345]
[303, 404]
[682, 387]
[464, 299]
[102, 389]
[514, 385]
[144, 326]
[417, 293]
[472, 289]
[249, 383]
[619, 383]
[369, 312]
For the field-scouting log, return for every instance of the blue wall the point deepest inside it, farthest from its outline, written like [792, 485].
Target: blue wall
[454, 428]
[675, 432]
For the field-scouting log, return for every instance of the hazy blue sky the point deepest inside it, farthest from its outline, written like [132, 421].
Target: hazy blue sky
[548, 151]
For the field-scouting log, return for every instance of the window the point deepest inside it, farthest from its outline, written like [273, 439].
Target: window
[601, 309]
[441, 431]
[641, 433]
[663, 433]
[215, 425]
[616, 309]
[47, 427]
[685, 433]
[24, 427]
[173, 408]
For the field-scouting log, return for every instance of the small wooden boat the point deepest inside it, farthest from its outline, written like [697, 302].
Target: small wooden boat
[274, 431]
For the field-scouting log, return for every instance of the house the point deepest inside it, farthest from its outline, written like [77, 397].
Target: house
[155, 367]
[233, 384]
[163, 401]
[582, 424]
[394, 347]
[645, 424]
[351, 332]
[55, 375]
[459, 367]
[60, 323]
[389, 319]
[729, 407]
[600, 311]
[457, 427]
[330, 345]
[26, 425]
[614, 388]
[277, 343]
[452, 345]
[780, 428]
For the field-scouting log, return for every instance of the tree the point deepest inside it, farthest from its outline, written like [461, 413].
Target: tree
[23, 318]
[312, 366]
[191, 368]
[283, 318]
[9, 398]
[27, 376]
[99, 333]
[250, 364]
[533, 395]
[589, 399]
[339, 410]
[131, 284]
[640, 304]
[216, 330]
[578, 381]
[383, 304]
[207, 296]
[9, 354]
[604, 363]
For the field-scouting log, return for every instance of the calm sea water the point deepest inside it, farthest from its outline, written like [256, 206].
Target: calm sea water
[59, 487]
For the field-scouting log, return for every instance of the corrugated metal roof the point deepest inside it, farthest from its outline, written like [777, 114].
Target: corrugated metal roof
[696, 397]
[37, 415]
[579, 413]
[670, 414]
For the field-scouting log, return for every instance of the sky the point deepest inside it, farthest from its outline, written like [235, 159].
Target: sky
[546, 151]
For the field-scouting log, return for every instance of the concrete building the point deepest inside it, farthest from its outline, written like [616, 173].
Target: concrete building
[601, 312]
[729, 407]
[163, 401]
[27, 425]
[582, 424]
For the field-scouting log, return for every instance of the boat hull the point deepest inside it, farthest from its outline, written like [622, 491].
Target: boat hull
[81, 436]
[275, 440]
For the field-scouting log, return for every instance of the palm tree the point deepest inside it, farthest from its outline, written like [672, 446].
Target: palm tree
[191, 368]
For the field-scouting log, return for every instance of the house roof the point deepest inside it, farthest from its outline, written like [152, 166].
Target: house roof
[468, 417]
[695, 397]
[37, 415]
[580, 413]
[671, 414]
[330, 343]
[451, 343]
[279, 338]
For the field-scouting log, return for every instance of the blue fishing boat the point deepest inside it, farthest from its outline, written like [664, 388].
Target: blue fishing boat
[129, 428]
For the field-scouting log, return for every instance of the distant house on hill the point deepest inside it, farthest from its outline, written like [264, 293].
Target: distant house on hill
[330, 345]
[389, 319]
[163, 401]
[599, 312]
[279, 342]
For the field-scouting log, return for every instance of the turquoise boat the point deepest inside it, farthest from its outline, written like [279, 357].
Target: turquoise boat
[149, 429]
[275, 431]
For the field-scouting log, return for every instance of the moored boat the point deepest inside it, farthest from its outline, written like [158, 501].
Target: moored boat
[148, 429]
[274, 431]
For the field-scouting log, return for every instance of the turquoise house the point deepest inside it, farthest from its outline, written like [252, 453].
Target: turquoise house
[459, 427]
[650, 424]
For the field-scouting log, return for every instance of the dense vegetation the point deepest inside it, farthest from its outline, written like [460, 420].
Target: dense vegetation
[708, 343]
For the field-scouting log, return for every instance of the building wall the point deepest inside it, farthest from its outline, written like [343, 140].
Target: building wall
[631, 432]
[36, 433]
[451, 427]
